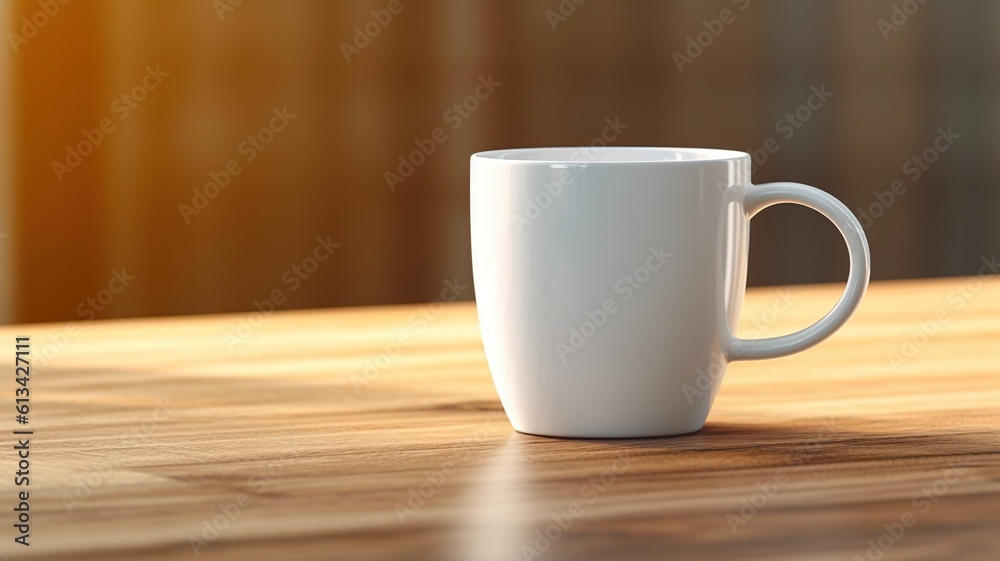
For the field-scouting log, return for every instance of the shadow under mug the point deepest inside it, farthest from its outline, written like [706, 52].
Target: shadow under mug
[609, 282]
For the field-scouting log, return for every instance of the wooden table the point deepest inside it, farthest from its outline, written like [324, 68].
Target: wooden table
[311, 435]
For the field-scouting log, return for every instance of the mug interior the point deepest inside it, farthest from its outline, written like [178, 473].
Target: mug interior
[611, 154]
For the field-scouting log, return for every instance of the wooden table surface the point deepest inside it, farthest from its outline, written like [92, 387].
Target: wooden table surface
[312, 435]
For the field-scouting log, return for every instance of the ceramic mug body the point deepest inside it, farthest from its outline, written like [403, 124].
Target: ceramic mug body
[609, 283]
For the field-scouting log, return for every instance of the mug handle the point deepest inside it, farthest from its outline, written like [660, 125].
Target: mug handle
[758, 197]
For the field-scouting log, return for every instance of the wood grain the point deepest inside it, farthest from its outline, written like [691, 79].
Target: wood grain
[148, 431]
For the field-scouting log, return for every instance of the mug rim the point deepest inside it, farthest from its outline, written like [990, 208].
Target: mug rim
[598, 155]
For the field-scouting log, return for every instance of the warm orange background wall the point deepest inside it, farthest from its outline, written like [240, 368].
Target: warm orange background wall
[323, 175]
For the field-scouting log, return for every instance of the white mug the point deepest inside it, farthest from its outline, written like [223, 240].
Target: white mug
[609, 282]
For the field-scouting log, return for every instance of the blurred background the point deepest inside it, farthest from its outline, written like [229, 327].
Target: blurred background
[187, 156]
